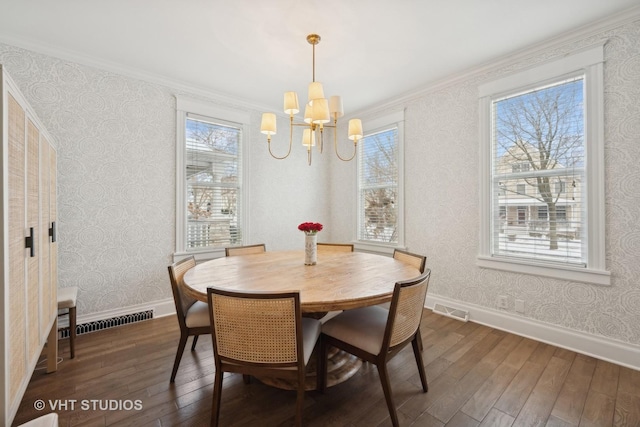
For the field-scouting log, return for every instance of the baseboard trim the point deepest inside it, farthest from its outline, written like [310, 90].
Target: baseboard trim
[591, 345]
[160, 308]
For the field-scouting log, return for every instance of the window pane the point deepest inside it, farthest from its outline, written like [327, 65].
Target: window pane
[538, 174]
[213, 187]
[378, 186]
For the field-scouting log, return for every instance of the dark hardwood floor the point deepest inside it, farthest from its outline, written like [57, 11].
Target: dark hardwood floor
[478, 376]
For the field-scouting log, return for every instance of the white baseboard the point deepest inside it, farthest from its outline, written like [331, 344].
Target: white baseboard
[160, 308]
[600, 347]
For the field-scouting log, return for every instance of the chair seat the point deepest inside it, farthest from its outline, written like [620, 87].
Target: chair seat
[67, 297]
[349, 324]
[198, 315]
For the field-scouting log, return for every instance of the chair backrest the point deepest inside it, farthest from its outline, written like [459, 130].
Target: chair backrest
[418, 261]
[256, 328]
[335, 247]
[406, 309]
[245, 250]
[176, 274]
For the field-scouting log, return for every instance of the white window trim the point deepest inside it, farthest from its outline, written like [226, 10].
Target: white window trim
[370, 126]
[186, 105]
[590, 61]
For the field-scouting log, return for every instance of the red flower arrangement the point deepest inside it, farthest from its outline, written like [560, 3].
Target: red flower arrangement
[310, 227]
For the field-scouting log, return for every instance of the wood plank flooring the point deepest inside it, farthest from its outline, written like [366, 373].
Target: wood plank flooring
[478, 376]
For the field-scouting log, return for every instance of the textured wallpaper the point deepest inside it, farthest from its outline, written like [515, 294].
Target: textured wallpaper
[442, 200]
[116, 138]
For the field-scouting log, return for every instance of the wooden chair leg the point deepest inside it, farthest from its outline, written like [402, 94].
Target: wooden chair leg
[72, 331]
[176, 363]
[418, 354]
[300, 400]
[386, 388]
[321, 368]
[217, 395]
[419, 339]
[195, 340]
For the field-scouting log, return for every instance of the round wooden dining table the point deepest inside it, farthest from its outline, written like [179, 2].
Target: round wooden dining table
[339, 281]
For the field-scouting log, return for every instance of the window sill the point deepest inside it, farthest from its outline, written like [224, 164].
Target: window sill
[574, 274]
[375, 248]
[200, 256]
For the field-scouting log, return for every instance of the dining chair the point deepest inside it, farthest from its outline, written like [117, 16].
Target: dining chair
[416, 260]
[262, 335]
[335, 247]
[376, 335]
[193, 315]
[245, 250]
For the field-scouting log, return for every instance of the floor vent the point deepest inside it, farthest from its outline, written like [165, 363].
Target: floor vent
[454, 313]
[99, 325]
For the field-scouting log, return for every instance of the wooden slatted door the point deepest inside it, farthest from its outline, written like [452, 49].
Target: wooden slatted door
[16, 256]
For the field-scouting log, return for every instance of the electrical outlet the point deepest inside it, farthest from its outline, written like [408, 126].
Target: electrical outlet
[502, 301]
[520, 306]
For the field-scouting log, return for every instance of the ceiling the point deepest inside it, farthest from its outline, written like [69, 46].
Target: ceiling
[254, 50]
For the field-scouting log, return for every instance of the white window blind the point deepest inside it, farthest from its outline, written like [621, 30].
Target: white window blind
[538, 174]
[378, 187]
[213, 182]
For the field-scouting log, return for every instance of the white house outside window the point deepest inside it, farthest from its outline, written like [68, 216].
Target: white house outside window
[210, 200]
[542, 170]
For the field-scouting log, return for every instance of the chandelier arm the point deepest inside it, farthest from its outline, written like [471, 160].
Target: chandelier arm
[335, 144]
[290, 141]
[355, 150]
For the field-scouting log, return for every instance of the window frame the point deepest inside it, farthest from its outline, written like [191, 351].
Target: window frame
[395, 119]
[588, 61]
[184, 106]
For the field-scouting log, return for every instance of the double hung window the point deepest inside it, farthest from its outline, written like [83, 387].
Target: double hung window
[210, 186]
[380, 182]
[542, 170]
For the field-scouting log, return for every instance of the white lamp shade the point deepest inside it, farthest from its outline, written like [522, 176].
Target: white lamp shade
[315, 92]
[320, 112]
[335, 107]
[268, 124]
[308, 138]
[308, 113]
[291, 105]
[355, 129]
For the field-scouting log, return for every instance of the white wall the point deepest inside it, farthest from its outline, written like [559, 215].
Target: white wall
[442, 201]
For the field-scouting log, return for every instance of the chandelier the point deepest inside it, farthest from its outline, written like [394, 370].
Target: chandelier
[319, 114]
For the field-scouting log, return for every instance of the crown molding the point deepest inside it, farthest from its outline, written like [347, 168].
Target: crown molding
[92, 61]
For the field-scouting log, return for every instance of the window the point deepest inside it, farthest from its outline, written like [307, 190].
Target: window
[542, 213]
[541, 129]
[380, 201]
[520, 167]
[210, 199]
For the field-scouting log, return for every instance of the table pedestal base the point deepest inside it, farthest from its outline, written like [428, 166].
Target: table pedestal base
[340, 367]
